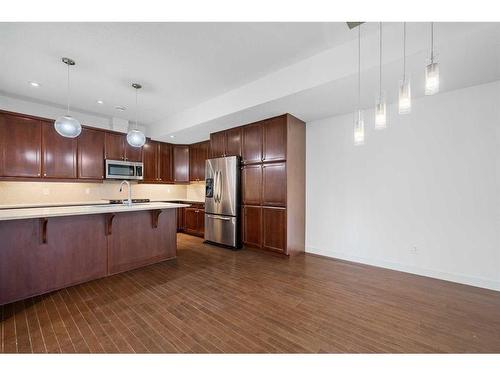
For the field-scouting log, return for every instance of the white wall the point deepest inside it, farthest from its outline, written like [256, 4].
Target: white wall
[430, 181]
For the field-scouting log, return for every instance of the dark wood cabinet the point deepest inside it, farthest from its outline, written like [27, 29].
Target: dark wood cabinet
[217, 144]
[117, 148]
[114, 146]
[151, 158]
[274, 184]
[21, 145]
[191, 220]
[233, 142]
[91, 154]
[272, 174]
[252, 226]
[200, 222]
[198, 154]
[274, 229]
[180, 219]
[165, 162]
[252, 143]
[75, 251]
[181, 163]
[274, 139]
[132, 153]
[59, 156]
[251, 178]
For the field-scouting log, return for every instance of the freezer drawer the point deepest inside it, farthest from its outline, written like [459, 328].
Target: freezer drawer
[222, 230]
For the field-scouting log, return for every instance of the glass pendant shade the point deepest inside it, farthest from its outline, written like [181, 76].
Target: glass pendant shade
[432, 79]
[136, 138]
[68, 126]
[380, 114]
[359, 128]
[404, 97]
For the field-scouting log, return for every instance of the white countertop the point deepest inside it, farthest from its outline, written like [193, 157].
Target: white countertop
[99, 208]
[87, 203]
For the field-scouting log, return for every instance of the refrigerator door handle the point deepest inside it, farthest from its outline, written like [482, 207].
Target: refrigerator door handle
[220, 186]
[216, 182]
[219, 217]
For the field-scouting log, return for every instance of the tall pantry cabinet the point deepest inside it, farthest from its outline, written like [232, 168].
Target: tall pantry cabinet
[273, 181]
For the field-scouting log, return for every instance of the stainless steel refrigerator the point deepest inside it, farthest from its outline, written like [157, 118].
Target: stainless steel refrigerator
[222, 201]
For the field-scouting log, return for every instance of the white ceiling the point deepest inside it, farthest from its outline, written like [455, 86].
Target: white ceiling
[202, 77]
[179, 64]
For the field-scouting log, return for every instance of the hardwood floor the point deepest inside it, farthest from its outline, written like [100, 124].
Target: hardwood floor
[218, 301]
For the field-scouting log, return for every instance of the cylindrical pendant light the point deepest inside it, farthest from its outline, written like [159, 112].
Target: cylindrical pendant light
[380, 108]
[66, 125]
[404, 84]
[432, 70]
[359, 124]
[135, 137]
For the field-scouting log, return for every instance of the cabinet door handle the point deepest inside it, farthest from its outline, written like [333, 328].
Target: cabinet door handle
[45, 175]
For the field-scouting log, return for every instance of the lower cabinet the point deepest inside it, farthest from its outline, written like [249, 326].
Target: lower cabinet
[252, 226]
[191, 220]
[135, 242]
[42, 255]
[37, 256]
[265, 228]
[274, 229]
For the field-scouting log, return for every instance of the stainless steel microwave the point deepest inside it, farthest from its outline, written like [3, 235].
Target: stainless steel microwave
[124, 170]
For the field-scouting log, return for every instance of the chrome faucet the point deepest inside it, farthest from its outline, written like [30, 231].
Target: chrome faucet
[129, 200]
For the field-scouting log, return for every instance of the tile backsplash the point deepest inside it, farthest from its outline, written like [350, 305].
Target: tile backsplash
[72, 192]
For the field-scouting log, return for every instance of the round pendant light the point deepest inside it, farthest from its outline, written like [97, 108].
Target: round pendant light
[66, 125]
[135, 137]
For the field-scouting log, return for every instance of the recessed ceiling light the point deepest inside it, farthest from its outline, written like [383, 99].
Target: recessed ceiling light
[34, 84]
[172, 136]
[120, 108]
[100, 102]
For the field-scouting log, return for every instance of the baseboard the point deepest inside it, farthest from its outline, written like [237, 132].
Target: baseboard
[457, 278]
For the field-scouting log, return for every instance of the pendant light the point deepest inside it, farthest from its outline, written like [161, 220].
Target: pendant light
[135, 137]
[432, 70]
[359, 124]
[380, 108]
[404, 84]
[66, 125]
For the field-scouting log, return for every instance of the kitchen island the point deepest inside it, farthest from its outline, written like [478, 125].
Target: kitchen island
[48, 248]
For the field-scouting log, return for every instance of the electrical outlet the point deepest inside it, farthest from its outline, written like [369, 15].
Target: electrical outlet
[46, 191]
[87, 191]
[413, 250]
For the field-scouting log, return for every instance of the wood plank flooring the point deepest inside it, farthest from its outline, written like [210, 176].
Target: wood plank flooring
[212, 300]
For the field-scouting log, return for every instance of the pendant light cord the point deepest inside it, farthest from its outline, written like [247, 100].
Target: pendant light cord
[359, 67]
[432, 42]
[380, 63]
[136, 107]
[67, 108]
[404, 51]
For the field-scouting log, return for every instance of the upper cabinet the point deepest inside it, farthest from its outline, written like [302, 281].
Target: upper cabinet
[274, 139]
[132, 153]
[165, 162]
[59, 153]
[252, 143]
[233, 142]
[91, 154]
[151, 151]
[117, 148]
[198, 154]
[20, 142]
[181, 163]
[157, 158]
[225, 143]
[114, 146]
[217, 144]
